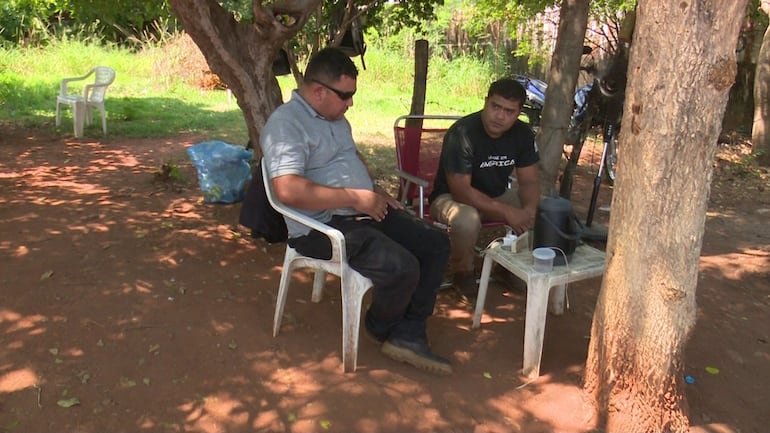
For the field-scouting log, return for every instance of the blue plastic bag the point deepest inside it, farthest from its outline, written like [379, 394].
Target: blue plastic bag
[223, 170]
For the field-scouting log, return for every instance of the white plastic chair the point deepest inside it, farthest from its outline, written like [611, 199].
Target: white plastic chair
[92, 97]
[353, 285]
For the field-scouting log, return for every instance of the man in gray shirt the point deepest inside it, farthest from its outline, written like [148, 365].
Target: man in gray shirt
[315, 168]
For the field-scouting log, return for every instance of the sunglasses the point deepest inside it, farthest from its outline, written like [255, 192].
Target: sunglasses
[340, 94]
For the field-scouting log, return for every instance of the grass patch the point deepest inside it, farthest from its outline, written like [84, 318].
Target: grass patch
[157, 91]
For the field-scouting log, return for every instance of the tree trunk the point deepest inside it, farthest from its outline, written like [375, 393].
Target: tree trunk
[242, 54]
[740, 104]
[682, 64]
[760, 131]
[562, 79]
[419, 89]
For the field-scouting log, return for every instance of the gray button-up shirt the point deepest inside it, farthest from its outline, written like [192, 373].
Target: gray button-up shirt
[297, 140]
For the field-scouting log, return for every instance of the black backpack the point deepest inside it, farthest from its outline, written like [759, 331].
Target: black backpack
[258, 215]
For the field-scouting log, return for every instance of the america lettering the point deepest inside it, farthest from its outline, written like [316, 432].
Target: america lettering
[499, 163]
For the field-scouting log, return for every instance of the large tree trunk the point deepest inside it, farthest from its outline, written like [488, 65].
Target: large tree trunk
[760, 131]
[242, 54]
[562, 79]
[682, 65]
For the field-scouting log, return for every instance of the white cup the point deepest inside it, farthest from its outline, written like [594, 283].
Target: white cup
[543, 259]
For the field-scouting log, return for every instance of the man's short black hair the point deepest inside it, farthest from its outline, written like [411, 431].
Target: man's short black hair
[508, 88]
[329, 65]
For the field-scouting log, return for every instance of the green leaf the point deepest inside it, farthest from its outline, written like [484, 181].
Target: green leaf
[69, 402]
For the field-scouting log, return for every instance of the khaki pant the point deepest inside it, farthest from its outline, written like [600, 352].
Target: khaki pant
[464, 224]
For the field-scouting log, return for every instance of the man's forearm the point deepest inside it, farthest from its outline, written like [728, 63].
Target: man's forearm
[529, 196]
[297, 191]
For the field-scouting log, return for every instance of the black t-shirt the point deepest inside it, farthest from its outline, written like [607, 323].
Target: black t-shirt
[467, 149]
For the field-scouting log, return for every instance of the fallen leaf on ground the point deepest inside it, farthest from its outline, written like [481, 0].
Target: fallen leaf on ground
[68, 402]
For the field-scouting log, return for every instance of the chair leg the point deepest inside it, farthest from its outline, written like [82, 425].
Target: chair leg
[319, 279]
[78, 111]
[104, 122]
[283, 289]
[58, 114]
[353, 290]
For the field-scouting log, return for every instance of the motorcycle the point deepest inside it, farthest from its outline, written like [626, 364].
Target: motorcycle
[533, 106]
[598, 103]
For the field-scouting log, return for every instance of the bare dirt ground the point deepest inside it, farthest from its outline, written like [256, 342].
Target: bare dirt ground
[129, 305]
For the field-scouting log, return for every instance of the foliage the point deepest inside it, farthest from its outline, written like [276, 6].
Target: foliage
[335, 16]
[747, 167]
[29, 21]
[19, 18]
[119, 19]
[169, 172]
[151, 99]
[522, 19]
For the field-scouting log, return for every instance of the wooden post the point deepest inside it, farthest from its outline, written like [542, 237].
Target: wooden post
[420, 81]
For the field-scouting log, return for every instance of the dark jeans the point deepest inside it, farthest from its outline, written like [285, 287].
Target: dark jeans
[404, 256]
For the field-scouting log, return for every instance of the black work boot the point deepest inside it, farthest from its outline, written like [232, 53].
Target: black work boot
[416, 354]
[370, 332]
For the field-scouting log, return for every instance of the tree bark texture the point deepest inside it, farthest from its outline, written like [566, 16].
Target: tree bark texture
[760, 131]
[419, 89]
[682, 64]
[241, 53]
[562, 79]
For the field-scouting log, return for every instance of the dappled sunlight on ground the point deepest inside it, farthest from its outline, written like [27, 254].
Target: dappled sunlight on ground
[154, 311]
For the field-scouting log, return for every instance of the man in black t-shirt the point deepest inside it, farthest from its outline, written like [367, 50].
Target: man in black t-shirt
[479, 154]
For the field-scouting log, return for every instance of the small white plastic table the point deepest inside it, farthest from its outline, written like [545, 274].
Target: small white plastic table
[586, 262]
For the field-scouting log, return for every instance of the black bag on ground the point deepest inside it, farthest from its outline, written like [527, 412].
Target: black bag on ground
[258, 215]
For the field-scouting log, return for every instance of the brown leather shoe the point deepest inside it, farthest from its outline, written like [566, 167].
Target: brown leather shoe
[467, 286]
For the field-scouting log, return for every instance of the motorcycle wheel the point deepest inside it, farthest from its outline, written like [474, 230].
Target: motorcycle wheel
[611, 160]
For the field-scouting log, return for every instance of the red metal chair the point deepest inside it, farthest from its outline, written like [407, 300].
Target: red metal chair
[418, 148]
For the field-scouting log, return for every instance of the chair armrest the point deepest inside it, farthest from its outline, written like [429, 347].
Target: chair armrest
[412, 178]
[335, 236]
[89, 88]
[65, 82]
[421, 185]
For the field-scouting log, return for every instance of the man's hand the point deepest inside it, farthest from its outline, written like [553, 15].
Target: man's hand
[370, 203]
[375, 203]
[392, 202]
[519, 220]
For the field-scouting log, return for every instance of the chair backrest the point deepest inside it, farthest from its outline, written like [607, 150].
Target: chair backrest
[103, 77]
[419, 139]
